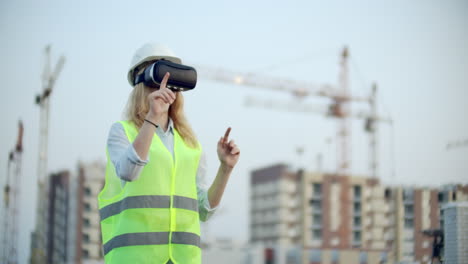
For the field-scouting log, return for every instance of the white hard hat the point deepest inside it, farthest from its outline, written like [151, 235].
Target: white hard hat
[150, 52]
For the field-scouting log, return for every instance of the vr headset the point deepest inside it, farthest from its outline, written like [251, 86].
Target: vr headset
[183, 78]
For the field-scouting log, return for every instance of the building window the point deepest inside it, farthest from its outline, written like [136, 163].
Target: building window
[85, 253]
[441, 197]
[87, 207]
[454, 196]
[383, 257]
[409, 223]
[408, 195]
[317, 234]
[357, 192]
[357, 208]
[293, 256]
[85, 237]
[335, 256]
[409, 210]
[357, 236]
[87, 191]
[317, 220]
[388, 193]
[316, 206]
[363, 257]
[426, 258]
[315, 256]
[317, 190]
[425, 244]
[357, 221]
[86, 222]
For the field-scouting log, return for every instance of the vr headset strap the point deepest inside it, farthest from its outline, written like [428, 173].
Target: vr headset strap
[139, 78]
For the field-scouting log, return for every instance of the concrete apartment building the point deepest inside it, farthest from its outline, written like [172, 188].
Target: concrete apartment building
[72, 217]
[89, 182]
[414, 210]
[84, 233]
[344, 218]
[306, 217]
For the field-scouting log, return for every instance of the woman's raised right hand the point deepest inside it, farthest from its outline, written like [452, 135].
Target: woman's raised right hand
[161, 99]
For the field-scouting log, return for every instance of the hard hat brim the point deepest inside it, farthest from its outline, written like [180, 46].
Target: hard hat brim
[130, 74]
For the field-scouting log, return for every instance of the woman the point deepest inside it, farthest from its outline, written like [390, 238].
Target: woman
[153, 197]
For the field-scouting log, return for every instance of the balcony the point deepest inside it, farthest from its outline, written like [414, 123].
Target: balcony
[317, 226]
[408, 202]
[368, 223]
[317, 196]
[316, 211]
[356, 244]
[386, 208]
[292, 218]
[293, 203]
[293, 232]
[389, 221]
[409, 215]
[389, 236]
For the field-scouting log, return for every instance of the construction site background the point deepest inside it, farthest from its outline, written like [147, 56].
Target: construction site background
[351, 118]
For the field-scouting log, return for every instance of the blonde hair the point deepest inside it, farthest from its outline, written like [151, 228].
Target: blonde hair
[138, 106]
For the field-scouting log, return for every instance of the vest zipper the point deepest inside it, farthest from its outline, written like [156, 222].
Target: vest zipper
[171, 209]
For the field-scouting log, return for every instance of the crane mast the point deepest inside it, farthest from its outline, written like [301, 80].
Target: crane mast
[11, 196]
[343, 106]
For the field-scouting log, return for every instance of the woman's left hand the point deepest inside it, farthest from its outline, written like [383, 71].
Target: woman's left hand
[228, 152]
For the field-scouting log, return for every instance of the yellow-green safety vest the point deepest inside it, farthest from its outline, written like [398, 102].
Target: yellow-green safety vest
[155, 218]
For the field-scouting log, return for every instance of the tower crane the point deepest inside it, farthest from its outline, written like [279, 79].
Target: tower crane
[11, 195]
[339, 107]
[43, 101]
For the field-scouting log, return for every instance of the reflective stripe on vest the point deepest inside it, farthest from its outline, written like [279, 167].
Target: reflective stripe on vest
[153, 219]
[151, 238]
[148, 201]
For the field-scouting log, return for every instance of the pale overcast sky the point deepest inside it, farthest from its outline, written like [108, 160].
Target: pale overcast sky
[415, 50]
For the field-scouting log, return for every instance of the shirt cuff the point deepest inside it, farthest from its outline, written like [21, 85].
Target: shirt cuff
[206, 211]
[134, 158]
[208, 206]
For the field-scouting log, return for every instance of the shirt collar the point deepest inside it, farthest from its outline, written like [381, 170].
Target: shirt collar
[170, 127]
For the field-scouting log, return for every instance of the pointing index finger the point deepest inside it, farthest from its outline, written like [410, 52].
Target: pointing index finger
[164, 80]
[226, 135]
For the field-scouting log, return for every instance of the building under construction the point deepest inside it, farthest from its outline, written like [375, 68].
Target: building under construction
[306, 217]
